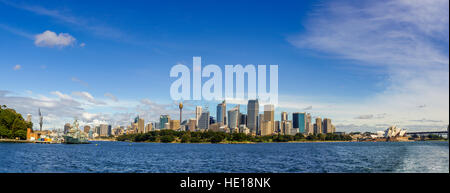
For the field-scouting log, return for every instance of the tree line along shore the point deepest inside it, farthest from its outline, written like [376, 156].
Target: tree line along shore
[171, 136]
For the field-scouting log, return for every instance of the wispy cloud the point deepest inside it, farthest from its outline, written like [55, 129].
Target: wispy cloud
[88, 97]
[111, 96]
[94, 27]
[16, 31]
[75, 79]
[407, 39]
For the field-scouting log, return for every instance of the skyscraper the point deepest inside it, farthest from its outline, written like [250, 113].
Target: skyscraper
[141, 125]
[174, 124]
[163, 119]
[87, 128]
[198, 113]
[318, 126]
[309, 126]
[269, 115]
[326, 126]
[203, 122]
[66, 128]
[221, 113]
[243, 119]
[252, 115]
[233, 118]
[299, 121]
[284, 116]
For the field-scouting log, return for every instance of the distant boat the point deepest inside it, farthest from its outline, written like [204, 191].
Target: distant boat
[75, 135]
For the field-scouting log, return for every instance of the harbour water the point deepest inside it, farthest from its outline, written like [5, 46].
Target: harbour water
[335, 157]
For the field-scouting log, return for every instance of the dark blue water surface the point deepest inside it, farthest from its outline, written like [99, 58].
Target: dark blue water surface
[264, 157]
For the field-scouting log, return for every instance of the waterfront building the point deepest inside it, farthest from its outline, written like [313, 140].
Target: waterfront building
[242, 119]
[203, 122]
[221, 113]
[66, 127]
[163, 119]
[277, 128]
[252, 115]
[284, 116]
[244, 129]
[141, 125]
[149, 127]
[233, 118]
[198, 114]
[87, 128]
[166, 126]
[105, 130]
[191, 124]
[318, 126]
[269, 115]
[174, 124]
[326, 126]
[299, 121]
[266, 128]
[214, 127]
[286, 127]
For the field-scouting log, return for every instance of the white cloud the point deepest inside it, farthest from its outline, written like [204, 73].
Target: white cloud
[406, 39]
[82, 44]
[88, 97]
[111, 96]
[61, 95]
[75, 79]
[50, 39]
[17, 67]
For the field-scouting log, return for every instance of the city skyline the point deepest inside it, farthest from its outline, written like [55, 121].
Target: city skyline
[57, 57]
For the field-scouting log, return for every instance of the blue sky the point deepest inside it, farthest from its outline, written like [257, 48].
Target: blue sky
[363, 64]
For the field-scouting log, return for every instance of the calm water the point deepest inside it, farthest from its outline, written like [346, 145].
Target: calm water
[274, 157]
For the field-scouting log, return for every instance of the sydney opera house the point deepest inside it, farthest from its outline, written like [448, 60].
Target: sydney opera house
[394, 133]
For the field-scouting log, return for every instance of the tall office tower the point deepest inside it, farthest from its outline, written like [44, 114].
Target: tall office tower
[191, 124]
[286, 127]
[252, 115]
[309, 127]
[284, 116]
[326, 126]
[29, 118]
[260, 123]
[221, 113]
[198, 113]
[233, 116]
[87, 128]
[141, 126]
[299, 121]
[66, 128]
[149, 127]
[277, 128]
[318, 126]
[203, 122]
[163, 119]
[266, 128]
[174, 124]
[105, 130]
[269, 115]
[243, 119]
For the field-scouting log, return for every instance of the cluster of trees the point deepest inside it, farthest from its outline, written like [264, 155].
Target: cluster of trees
[169, 136]
[12, 124]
